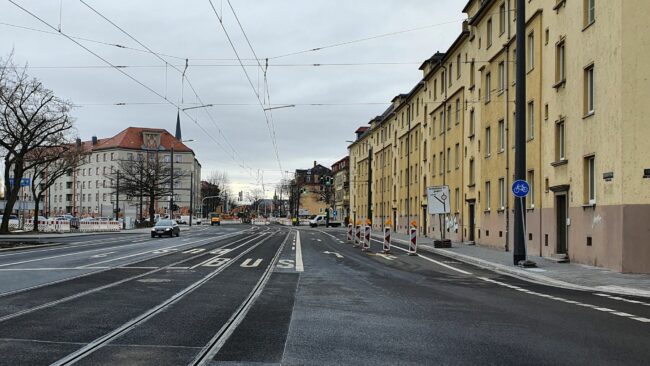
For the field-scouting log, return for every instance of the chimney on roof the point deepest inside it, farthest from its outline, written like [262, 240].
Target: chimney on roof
[94, 140]
[178, 126]
[314, 163]
[78, 142]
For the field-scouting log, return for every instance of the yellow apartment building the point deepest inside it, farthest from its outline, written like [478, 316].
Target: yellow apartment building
[590, 179]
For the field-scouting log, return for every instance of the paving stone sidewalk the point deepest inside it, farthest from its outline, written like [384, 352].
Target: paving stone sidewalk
[549, 272]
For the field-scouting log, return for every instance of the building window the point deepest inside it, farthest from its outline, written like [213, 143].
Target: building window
[104, 157]
[531, 193]
[442, 163]
[472, 71]
[433, 165]
[472, 172]
[487, 196]
[457, 110]
[489, 33]
[167, 159]
[449, 117]
[488, 87]
[560, 154]
[590, 11]
[112, 156]
[435, 89]
[97, 158]
[502, 193]
[472, 122]
[531, 120]
[589, 90]
[449, 159]
[502, 76]
[442, 83]
[129, 156]
[502, 18]
[590, 180]
[560, 63]
[531, 51]
[457, 155]
[502, 136]
[488, 142]
[458, 66]
[451, 72]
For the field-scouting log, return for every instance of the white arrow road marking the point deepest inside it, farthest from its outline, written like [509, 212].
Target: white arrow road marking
[246, 263]
[335, 253]
[386, 256]
[101, 255]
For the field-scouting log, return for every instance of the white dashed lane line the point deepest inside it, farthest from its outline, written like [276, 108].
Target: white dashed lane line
[595, 307]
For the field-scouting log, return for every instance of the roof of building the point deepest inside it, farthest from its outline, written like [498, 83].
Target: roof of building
[131, 138]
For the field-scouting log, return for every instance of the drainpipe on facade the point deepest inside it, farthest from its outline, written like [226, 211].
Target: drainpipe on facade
[507, 117]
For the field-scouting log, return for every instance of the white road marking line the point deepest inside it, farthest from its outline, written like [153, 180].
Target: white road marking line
[603, 309]
[337, 255]
[429, 259]
[136, 267]
[102, 255]
[622, 299]
[247, 263]
[299, 265]
[48, 269]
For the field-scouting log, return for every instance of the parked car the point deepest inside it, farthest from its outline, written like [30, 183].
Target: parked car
[196, 220]
[87, 219]
[13, 219]
[166, 227]
[320, 220]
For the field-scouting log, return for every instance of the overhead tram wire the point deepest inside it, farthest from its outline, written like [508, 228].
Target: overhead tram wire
[120, 70]
[224, 65]
[268, 123]
[183, 73]
[365, 39]
[266, 83]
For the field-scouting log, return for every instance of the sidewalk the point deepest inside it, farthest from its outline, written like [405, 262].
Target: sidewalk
[548, 272]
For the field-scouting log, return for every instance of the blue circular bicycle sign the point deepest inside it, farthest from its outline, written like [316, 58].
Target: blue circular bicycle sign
[520, 188]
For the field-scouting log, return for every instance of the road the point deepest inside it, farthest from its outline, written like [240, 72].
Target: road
[246, 294]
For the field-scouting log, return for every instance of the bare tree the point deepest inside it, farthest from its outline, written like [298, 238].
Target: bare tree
[31, 117]
[255, 196]
[50, 164]
[216, 185]
[149, 178]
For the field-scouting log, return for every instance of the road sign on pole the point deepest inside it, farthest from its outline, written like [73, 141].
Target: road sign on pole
[439, 200]
[520, 188]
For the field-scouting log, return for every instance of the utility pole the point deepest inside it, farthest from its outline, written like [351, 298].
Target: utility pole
[171, 197]
[519, 252]
[117, 197]
[191, 195]
[370, 185]
[408, 168]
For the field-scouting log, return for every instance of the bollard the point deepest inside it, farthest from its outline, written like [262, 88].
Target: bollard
[350, 232]
[357, 236]
[386, 240]
[413, 246]
[366, 242]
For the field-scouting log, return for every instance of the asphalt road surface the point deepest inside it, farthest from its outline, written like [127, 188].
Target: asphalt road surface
[270, 295]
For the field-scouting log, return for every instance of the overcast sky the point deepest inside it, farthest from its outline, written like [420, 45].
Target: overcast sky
[189, 29]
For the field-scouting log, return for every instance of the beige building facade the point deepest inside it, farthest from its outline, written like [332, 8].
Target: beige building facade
[590, 183]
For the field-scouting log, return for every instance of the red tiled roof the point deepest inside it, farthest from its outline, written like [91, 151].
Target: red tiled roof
[131, 138]
[362, 129]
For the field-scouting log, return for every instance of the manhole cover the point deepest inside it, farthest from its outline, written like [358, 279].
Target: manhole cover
[154, 280]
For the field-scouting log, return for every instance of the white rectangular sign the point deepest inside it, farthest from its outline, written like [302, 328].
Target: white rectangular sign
[439, 200]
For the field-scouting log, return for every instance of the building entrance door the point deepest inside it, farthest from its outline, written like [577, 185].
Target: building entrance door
[561, 223]
[472, 221]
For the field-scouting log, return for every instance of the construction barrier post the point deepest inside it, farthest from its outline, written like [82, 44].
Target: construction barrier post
[366, 242]
[386, 240]
[350, 232]
[357, 235]
[413, 245]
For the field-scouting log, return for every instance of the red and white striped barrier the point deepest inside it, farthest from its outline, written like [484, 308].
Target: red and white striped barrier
[357, 236]
[386, 248]
[350, 232]
[413, 245]
[366, 241]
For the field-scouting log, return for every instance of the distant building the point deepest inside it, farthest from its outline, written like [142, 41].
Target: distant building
[313, 194]
[87, 191]
[341, 174]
